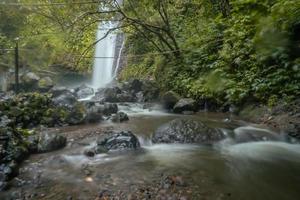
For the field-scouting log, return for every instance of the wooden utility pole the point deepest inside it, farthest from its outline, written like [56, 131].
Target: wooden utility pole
[17, 66]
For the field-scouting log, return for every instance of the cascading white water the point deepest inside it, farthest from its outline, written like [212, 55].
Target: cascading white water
[119, 59]
[104, 56]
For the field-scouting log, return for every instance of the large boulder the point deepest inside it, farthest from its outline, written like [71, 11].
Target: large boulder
[57, 91]
[110, 108]
[30, 78]
[132, 86]
[45, 84]
[186, 104]
[150, 91]
[94, 113]
[50, 141]
[120, 117]
[140, 90]
[252, 134]
[111, 94]
[119, 141]
[66, 99]
[77, 114]
[100, 108]
[84, 91]
[169, 99]
[126, 97]
[30, 81]
[186, 131]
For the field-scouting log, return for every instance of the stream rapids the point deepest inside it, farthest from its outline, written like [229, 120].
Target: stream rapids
[260, 170]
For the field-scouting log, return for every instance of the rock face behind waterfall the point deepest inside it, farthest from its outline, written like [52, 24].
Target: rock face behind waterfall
[131, 91]
[186, 131]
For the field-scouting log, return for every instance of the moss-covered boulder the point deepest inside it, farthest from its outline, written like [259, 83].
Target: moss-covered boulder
[45, 84]
[50, 141]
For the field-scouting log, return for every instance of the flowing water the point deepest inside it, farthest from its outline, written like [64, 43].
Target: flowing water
[104, 55]
[107, 55]
[263, 170]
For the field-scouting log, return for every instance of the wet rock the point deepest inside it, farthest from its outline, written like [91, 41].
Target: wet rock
[66, 99]
[171, 181]
[103, 195]
[50, 141]
[8, 171]
[114, 95]
[126, 97]
[20, 153]
[30, 78]
[186, 104]
[76, 114]
[57, 91]
[169, 99]
[32, 142]
[140, 90]
[89, 152]
[45, 84]
[135, 85]
[84, 91]
[111, 94]
[3, 185]
[120, 117]
[186, 131]
[140, 97]
[110, 108]
[94, 113]
[5, 121]
[100, 149]
[119, 141]
[252, 134]
[150, 90]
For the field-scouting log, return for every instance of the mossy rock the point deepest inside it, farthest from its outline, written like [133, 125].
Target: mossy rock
[77, 115]
[45, 84]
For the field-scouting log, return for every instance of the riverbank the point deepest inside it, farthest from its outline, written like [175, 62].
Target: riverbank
[63, 141]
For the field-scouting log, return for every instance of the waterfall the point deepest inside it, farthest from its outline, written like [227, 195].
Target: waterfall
[104, 56]
[119, 58]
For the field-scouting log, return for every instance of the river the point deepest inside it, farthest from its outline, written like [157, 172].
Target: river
[255, 170]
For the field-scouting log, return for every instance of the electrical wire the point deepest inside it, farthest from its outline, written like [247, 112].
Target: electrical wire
[48, 4]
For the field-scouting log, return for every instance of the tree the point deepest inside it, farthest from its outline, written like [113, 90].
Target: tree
[151, 19]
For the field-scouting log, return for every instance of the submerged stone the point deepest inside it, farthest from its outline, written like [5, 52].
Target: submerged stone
[84, 91]
[120, 117]
[50, 141]
[186, 131]
[120, 141]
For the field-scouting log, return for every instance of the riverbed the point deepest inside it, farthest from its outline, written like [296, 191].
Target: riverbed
[262, 170]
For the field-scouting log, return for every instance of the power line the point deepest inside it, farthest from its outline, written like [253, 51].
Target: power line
[48, 4]
[128, 55]
[112, 57]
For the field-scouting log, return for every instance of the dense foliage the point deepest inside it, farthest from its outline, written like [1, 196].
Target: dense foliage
[251, 53]
[231, 51]
[28, 110]
[48, 35]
